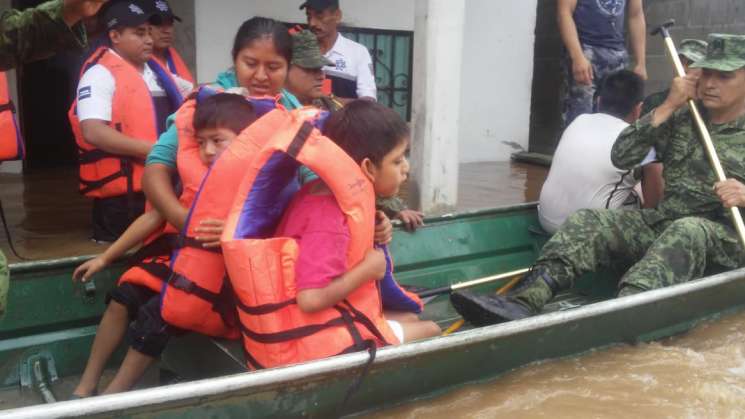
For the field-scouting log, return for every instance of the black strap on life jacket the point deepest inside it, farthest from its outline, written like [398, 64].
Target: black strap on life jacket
[9, 106]
[223, 302]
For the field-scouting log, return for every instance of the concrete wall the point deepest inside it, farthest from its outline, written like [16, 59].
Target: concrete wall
[695, 19]
[216, 25]
[497, 75]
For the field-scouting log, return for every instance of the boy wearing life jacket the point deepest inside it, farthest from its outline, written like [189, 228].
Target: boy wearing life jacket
[122, 104]
[311, 290]
[217, 121]
[163, 34]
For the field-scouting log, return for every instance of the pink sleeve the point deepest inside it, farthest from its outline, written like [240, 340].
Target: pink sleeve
[323, 249]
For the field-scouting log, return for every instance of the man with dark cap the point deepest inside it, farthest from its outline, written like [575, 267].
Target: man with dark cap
[163, 36]
[690, 52]
[351, 74]
[688, 234]
[121, 109]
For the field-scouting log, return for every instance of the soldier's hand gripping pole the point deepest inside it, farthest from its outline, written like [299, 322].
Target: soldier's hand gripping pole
[711, 152]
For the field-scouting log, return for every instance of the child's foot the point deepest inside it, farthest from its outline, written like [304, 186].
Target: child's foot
[81, 394]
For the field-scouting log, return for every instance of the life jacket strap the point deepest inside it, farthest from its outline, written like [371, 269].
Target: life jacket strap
[223, 302]
[92, 185]
[10, 106]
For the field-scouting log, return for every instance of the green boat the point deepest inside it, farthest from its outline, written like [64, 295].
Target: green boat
[46, 335]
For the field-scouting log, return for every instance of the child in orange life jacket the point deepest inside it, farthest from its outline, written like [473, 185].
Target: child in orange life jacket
[377, 139]
[217, 121]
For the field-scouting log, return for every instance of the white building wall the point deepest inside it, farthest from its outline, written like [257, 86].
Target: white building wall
[497, 78]
[497, 59]
[217, 22]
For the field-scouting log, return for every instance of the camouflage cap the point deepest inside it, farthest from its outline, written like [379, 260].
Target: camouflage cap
[305, 51]
[725, 53]
[693, 49]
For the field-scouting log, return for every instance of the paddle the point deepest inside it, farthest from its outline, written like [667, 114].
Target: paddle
[455, 287]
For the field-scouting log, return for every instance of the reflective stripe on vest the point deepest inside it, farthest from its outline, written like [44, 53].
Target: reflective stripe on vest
[11, 142]
[262, 270]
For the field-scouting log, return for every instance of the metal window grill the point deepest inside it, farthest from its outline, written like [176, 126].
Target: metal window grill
[392, 55]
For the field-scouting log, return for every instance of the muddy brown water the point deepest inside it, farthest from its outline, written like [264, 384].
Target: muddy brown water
[699, 374]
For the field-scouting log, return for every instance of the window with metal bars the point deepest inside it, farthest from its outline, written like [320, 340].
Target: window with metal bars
[392, 55]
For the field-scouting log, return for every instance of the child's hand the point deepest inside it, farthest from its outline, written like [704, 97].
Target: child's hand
[411, 219]
[85, 271]
[209, 232]
[383, 228]
[375, 264]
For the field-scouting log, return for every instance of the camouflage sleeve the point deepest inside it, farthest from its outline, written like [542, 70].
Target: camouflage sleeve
[36, 33]
[390, 206]
[633, 144]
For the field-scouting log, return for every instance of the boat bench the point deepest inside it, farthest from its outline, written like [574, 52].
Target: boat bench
[194, 356]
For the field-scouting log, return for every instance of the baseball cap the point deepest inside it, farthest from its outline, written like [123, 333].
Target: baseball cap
[305, 51]
[320, 5]
[725, 53]
[693, 49]
[163, 9]
[127, 14]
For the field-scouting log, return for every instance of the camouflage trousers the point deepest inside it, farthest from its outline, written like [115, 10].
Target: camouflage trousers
[652, 256]
[578, 98]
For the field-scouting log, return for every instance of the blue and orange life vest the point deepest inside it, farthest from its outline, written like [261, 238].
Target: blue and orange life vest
[176, 65]
[152, 261]
[11, 142]
[261, 268]
[133, 113]
[196, 296]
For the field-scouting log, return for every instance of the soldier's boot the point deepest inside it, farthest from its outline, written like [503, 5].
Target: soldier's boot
[525, 300]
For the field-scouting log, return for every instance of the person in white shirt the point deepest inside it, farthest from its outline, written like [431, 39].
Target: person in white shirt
[582, 175]
[110, 117]
[352, 76]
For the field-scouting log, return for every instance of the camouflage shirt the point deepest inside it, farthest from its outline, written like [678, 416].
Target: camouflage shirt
[654, 100]
[35, 34]
[689, 178]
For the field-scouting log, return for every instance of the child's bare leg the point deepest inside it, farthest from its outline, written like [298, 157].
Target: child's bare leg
[401, 316]
[133, 367]
[108, 336]
[421, 329]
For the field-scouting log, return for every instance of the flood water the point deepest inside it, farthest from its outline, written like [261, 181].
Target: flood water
[699, 374]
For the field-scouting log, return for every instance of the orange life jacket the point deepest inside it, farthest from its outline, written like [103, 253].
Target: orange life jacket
[152, 261]
[262, 270]
[11, 142]
[196, 296]
[102, 174]
[176, 65]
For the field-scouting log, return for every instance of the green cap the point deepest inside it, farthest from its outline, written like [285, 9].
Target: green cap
[305, 51]
[725, 53]
[693, 49]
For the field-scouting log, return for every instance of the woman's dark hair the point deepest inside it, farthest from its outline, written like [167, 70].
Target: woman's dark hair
[366, 129]
[224, 110]
[261, 27]
[619, 92]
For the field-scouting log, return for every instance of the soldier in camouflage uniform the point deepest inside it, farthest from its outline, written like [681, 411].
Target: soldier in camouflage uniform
[690, 52]
[688, 234]
[40, 32]
[34, 34]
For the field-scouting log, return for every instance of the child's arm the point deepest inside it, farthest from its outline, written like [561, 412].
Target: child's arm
[140, 229]
[371, 268]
